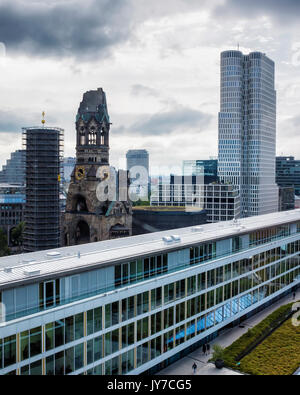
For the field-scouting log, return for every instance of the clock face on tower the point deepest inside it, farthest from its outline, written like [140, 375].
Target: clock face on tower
[79, 173]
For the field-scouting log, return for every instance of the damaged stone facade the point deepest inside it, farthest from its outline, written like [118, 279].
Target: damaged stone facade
[90, 217]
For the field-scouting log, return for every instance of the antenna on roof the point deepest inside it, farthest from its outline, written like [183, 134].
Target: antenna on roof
[238, 46]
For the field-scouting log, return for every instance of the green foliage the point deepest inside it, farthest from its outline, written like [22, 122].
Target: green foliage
[218, 352]
[279, 354]
[17, 234]
[250, 338]
[4, 250]
[140, 203]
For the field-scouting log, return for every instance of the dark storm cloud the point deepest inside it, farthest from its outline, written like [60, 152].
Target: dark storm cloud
[81, 29]
[280, 9]
[179, 119]
[67, 28]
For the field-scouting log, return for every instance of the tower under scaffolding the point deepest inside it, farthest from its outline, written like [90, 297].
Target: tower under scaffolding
[44, 159]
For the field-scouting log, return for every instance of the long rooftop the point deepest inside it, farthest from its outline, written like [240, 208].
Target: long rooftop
[25, 267]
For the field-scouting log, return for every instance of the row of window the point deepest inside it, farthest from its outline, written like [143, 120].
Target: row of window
[72, 328]
[73, 358]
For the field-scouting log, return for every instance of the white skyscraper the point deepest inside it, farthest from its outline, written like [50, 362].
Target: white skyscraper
[247, 129]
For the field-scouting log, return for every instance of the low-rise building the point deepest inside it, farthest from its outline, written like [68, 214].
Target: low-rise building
[220, 201]
[135, 305]
[146, 219]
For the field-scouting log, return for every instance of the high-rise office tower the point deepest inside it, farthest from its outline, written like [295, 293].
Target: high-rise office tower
[44, 153]
[247, 130]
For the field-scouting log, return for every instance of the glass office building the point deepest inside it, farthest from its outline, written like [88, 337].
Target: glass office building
[208, 169]
[133, 306]
[288, 172]
[247, 130]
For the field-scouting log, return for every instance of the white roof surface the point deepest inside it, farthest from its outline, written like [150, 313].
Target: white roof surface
[24, 267]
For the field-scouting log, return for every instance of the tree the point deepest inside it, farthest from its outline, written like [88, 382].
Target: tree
[4, 250]
[218, 352]
[17, 234]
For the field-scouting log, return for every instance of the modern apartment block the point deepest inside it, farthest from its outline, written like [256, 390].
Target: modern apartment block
[135, 305]
[14, 171]
[247, 130]
[44, 153]
[288, 172]
[221, 202]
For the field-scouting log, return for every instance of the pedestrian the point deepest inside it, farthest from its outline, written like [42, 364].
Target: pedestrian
[194, 367]
[204, 349]
[294, 295]
[208, 348]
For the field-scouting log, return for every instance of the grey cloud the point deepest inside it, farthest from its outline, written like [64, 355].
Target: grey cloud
[280, 9]
[179, 119]
[68, 28]
[142, 90]
[11, 122]
[77, 29]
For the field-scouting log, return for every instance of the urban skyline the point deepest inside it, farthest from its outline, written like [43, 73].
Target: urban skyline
[157, 229]
[149, 107]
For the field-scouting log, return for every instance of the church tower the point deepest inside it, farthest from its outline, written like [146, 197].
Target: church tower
[92, 216]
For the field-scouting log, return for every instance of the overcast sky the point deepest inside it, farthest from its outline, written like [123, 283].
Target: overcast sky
[158, 62]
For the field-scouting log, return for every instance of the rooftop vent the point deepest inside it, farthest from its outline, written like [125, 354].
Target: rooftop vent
[7, 270]
[176, 238]
[32, 272]
[28, 261]
[197, 229]
[171, 239]
[167, 239]
[53, 254]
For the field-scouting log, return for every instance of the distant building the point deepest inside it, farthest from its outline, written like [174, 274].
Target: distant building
[297, 202]
[68, 164]
[288, 172]
[221, 202]
[155, 219]
[14, 170]
[138, 166]
[12, 203]
[247, 130]
[44, 153]
[208, 169]
[286, 198]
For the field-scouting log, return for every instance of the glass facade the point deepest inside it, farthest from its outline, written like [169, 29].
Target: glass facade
[153, 313]
[247, 130]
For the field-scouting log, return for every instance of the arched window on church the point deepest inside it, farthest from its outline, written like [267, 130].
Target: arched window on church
[82, 136]
[102, 141]
[79, 204]
[92, 136]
